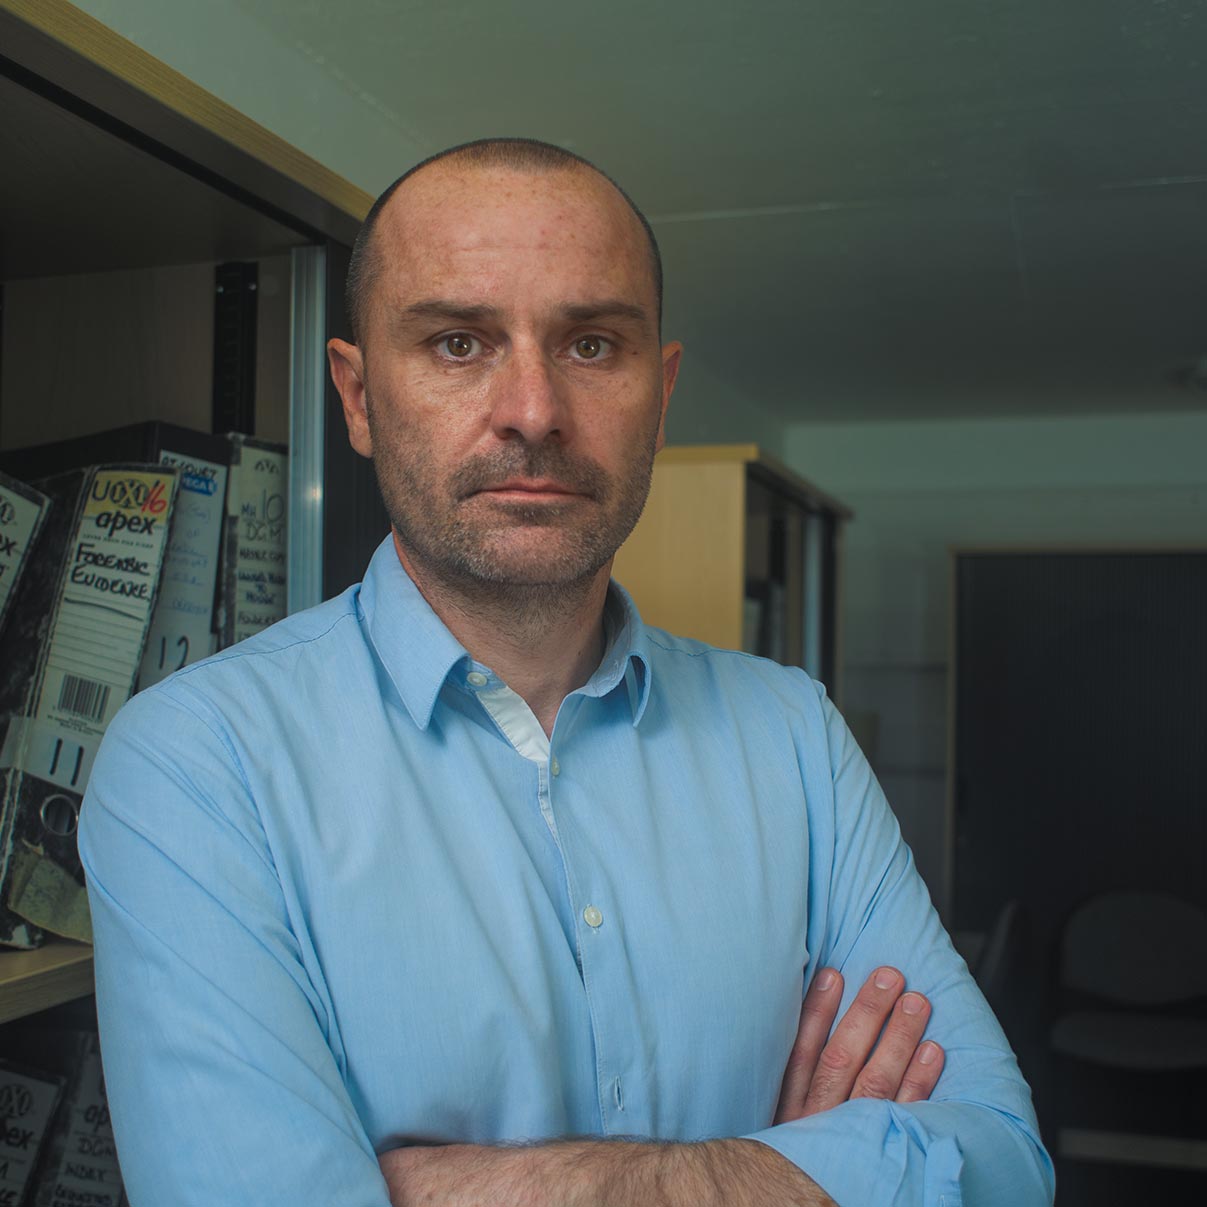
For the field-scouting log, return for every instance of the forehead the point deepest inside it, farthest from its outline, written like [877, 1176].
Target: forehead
[488, 230]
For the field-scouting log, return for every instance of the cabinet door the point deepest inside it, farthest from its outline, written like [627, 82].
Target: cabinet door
[1080, 710]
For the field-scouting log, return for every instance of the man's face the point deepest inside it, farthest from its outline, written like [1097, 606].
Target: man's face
[509, 385]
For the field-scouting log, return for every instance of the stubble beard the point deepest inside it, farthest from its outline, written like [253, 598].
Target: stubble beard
[467, 546]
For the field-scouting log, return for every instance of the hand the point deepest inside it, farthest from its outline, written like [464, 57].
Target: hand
[823, 1074]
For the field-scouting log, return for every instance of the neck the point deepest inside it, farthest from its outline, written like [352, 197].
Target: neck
[543, 641]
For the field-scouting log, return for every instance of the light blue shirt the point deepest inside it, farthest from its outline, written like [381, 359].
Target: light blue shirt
[347, 895]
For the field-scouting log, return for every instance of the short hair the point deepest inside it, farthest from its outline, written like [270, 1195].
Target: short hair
[520, 154]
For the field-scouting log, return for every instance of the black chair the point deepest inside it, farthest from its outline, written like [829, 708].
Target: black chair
[1128, 1043]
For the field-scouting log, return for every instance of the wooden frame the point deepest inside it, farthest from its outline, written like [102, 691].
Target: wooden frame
[700, 500]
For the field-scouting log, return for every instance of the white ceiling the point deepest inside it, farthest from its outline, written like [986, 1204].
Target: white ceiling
[867, 208]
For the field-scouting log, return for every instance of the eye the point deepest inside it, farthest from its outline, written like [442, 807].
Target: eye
[590, 347]
[459, 345]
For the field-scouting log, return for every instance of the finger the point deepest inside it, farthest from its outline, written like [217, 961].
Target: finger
[844, 1056]
[881, 1076]
[817, 1015]
[922, 1075]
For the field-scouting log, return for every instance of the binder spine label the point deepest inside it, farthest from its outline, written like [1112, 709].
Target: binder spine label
[110, 578]
[257, 508]
[27, 1105]
[86, 1170]
[181, 629]
[52, 752]
[20, 518]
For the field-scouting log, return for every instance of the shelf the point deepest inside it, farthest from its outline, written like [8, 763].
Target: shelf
[84, 68]
[142, 211]
[36, 980]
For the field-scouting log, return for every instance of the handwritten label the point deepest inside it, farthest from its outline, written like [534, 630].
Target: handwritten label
[257, 504]
[52, 752]
[27, 1103]
[19, 518]
[88, 1172]
[181, 626]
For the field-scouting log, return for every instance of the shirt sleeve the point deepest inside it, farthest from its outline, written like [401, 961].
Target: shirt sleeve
[975, 1142]
[222, 1084]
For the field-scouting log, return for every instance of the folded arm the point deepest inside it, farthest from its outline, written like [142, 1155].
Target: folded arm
[599, 1173]
[976, 1139]
[874, 1052]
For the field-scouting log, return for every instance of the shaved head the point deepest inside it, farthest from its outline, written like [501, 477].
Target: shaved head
[517, 154]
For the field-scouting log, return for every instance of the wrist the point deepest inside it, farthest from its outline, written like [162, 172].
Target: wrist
[714, 1173]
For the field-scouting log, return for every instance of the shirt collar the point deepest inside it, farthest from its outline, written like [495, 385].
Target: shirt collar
[627, 654]
[419, 653]
[415, 648]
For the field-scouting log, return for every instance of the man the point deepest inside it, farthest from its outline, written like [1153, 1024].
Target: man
[467, 857]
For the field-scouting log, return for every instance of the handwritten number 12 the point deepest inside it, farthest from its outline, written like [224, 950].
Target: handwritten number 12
[182, 644]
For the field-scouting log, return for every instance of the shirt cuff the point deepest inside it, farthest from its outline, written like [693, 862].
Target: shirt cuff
[870, 1153]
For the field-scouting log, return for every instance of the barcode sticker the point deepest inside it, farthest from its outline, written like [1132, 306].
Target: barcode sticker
[83, 697]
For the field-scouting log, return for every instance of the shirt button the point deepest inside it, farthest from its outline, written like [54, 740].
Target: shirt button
[476, 678]
[592, 917]
[555, 767]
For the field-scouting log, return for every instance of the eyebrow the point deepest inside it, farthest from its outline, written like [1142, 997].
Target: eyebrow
[576, 312]
[439, 308]
[584, 312]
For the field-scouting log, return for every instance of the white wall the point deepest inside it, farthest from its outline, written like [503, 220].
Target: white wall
[706, 411]
[918, 488]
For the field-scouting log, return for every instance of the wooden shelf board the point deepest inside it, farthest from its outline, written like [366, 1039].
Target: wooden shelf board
[751, 454]
[36, 980]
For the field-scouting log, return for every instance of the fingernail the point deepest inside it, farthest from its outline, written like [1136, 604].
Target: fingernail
[886, 978]
[824, 980]
[927, 1054]
[913, 1003]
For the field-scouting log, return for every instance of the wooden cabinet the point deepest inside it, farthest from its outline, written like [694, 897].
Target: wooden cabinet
[737, 550]
[125, 185]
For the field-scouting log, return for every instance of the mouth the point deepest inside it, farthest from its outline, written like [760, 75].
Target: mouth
[528, 490]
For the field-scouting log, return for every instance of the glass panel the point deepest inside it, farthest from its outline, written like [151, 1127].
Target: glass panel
[814, 593]
[755, 622]
[775, 575]
[307, 381]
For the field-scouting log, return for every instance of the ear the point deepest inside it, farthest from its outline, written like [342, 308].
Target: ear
[671, 355]
[348, 374]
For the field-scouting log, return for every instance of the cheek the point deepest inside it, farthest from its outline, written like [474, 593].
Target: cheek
[628, 415]
[420, 404]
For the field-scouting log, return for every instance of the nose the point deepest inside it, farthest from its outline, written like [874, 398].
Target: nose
[528, 398]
